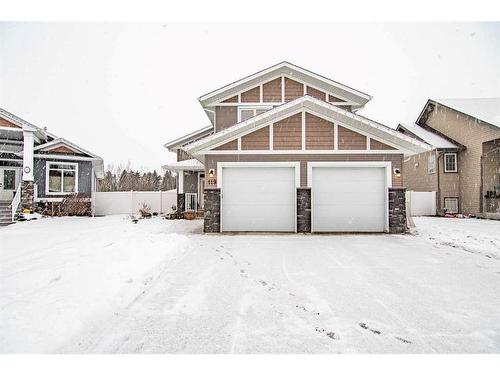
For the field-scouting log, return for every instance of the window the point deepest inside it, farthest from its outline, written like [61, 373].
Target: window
[451, 205]
[450, 162]
[62, 178]
[191, 201]
[244, 113]
[431, 164]
[9, 179]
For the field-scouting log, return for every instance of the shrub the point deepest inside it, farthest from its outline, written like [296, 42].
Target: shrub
[76, 205]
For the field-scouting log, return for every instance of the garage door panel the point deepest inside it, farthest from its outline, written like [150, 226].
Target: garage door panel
[258, 199]
[351, 199]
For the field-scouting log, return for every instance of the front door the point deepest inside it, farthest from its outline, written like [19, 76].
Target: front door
[9, 180]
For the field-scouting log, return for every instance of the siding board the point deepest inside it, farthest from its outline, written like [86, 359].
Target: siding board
[251, 96]
[287, 133]
[350, 140]
[272, 91]
[293, 89]
[257, 140]
[376, 145]
[225, 117]
[319, 133]
[316, 93]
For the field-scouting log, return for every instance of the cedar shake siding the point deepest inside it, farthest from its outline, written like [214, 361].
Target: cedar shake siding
[271, 91]
[7, 124]
[251, 96]
[293, 89]
[257, 140]
[376, 145]
[395, 159]
[316, 93]
[233, 145]
[287, 133]
[350, 140]
[319, 133]
[233, 99]
[225, 117]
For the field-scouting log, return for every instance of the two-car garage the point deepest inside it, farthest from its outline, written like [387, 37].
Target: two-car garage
[345, 196]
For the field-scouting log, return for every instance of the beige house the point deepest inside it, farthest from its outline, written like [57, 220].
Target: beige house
[286, 151]
[464, 165]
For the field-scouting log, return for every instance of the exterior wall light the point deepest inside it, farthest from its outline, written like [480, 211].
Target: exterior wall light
[397, 172]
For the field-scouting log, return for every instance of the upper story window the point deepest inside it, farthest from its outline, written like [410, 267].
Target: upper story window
[62, 178]
[244, 113]
[450, 162]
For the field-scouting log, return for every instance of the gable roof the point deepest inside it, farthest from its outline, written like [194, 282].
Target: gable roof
[336, 114]
[294, 71]
[42, 133]
[58, 142]
[484, 109]
[427, 136]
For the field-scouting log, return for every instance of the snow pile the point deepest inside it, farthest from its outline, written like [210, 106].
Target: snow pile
[471, 235]
[54, 279]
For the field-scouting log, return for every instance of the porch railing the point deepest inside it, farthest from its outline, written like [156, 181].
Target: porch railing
[16, 201]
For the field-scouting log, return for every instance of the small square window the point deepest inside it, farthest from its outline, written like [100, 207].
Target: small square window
[450, 162]
[451, 205]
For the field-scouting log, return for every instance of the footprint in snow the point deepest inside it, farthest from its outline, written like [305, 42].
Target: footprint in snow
[374, 331]
[55, 279]
[330, 334]
[403, 340]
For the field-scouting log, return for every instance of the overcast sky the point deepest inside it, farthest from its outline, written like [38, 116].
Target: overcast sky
[123, 90]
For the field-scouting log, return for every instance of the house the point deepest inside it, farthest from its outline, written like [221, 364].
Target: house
[38, 168]
[463, 168]
[286, 151]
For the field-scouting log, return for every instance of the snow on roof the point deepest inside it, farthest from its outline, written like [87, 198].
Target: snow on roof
[485, 109]
[188, 165]
[429, 137]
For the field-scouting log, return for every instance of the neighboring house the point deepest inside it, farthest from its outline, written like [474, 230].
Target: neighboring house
[286, 151]
[37, 167]
[464, 166]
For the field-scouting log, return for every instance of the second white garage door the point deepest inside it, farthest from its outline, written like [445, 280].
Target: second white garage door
[349, 199]
[258, 199]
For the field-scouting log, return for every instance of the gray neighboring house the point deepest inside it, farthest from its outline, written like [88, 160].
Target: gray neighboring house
[38, 168]
[464, 165]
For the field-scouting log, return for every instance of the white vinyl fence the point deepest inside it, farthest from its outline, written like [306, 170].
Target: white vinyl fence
[129, 202]
[421, 203]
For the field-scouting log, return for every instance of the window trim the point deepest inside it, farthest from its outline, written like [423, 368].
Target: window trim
[47, 168]
[456, 162]
[252, 107]
[458, 204]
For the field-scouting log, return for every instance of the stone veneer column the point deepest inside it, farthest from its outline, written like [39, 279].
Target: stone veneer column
[27, 194]
[304, 210]
[212, 211]
[181, 205]
[397, 210]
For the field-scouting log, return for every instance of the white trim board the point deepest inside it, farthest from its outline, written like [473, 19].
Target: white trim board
[276, 71]
[47, 167]
[319, 108]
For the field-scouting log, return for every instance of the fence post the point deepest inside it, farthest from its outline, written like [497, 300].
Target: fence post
[132, 200]
[161, 202]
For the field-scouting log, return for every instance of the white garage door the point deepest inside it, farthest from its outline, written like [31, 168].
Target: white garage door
[349, 199]
[258, 199]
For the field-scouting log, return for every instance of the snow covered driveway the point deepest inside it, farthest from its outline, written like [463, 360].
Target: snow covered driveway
[163, 287]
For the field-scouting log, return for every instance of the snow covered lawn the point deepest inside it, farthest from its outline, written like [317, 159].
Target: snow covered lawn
[106, 285]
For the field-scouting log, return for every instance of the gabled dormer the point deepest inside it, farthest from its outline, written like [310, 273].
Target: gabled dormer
[271, 87]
